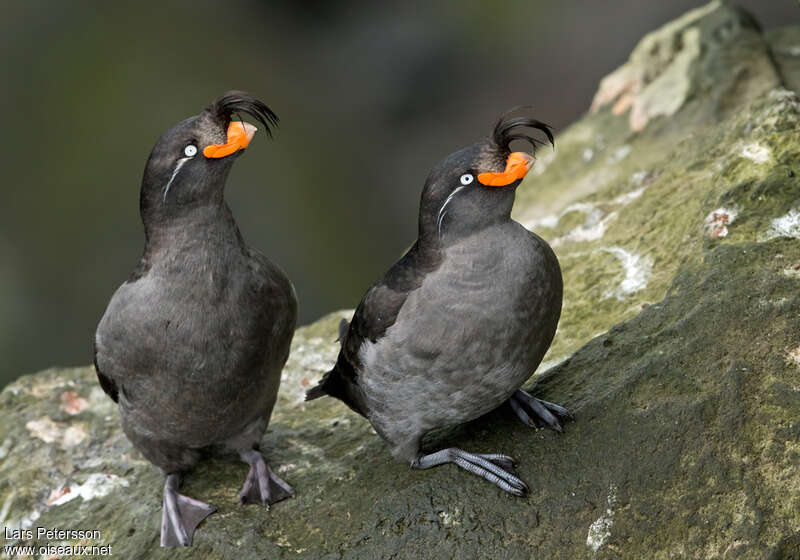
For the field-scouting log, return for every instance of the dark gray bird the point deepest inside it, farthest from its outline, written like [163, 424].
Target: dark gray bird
[192, 345]
[459, 323]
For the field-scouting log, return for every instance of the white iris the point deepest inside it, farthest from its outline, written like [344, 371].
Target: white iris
[466, 179]
[190, 150]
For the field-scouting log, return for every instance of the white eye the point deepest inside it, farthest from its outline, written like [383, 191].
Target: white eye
[190, 150]
[466, 179]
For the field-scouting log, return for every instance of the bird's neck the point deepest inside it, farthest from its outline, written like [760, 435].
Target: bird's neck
[203, 226]
[432, 240]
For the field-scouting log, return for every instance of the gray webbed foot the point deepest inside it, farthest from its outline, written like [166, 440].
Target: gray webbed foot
[497, 469]
[262, 486]
[538, 413]
[180, 515]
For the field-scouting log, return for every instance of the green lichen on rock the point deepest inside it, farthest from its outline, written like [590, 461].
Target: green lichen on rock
[625, 206]
[679, 350]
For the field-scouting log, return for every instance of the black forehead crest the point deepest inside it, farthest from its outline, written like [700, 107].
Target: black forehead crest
[240, 102]
[509, 129]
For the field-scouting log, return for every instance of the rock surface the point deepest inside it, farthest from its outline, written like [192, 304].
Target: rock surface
[674, 209]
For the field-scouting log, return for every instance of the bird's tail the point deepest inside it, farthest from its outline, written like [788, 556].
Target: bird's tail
[317, 390]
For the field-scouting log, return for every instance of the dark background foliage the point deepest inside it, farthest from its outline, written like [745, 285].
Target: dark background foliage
[370, 96]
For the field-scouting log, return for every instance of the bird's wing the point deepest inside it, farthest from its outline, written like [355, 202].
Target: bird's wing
[381, 305]
[107, 360]
[377, 312]
[374, 315]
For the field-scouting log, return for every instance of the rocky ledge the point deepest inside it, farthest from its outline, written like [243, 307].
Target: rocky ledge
[674, 208]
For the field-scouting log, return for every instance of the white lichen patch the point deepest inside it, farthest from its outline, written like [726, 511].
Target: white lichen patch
[596, 180]
[74, 435]
[787, 225]
[66, 435]
[637, 271]
[628, 197]
[640, 177]
[790, 272]
[592, 228]
[97, 485]
[756, 153]
[600, 530]
[7, 505]
[598, 216]
[24, 522]
[45, 429]
[28, 521]
[55, 495]
[552, 220]
[619, 154]
[549, 221]
[717, 222]
[450, 519]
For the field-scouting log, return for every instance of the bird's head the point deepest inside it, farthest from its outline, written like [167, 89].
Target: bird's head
[474, 188]
[189, 164]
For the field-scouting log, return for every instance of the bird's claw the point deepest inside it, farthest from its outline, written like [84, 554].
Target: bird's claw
[537, 413]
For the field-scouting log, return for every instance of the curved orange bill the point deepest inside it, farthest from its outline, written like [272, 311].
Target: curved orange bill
[517, 165]
[239, 136]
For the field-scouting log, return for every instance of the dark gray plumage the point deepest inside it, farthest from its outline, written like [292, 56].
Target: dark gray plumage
[192, 345]
[459, 323]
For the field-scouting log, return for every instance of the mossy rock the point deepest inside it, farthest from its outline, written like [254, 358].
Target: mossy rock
[674, 207]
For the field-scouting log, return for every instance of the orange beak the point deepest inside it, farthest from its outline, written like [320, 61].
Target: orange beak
[517, 166]
[239, 136]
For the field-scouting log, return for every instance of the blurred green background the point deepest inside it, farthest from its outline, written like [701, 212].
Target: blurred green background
[370, 96]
